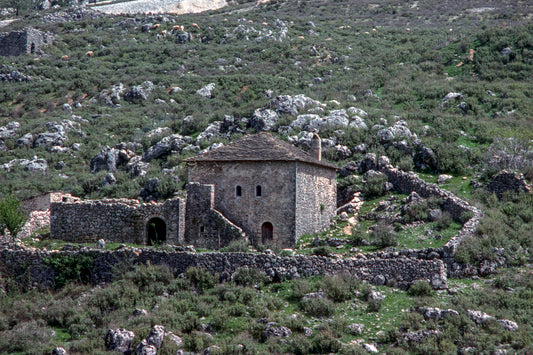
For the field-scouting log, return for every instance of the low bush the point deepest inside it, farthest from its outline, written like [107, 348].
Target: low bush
[420, 288]
[317, 307]
[384, 235]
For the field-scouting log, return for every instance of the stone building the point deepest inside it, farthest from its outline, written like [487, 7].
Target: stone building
[27, 41]
[272, 190]
[259, 187]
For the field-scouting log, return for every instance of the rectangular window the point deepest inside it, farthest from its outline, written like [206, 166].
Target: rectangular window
[258, 191]
[238, 191]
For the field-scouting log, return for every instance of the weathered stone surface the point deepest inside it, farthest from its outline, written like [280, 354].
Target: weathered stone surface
[140, 92]
[109, 159]
[508, 325]
[9, 130]
[167, 145]
[507, 181]
[25, 141]
[356, 328]
[59, 351]
[479, 317]
[206, 91]
[436, 313]
[26, 41]
[145, 349]
[396, 132]
[263, 119]
[109, 179]
[156, 336]
[293, 104]
[275, 330]
[119, 340]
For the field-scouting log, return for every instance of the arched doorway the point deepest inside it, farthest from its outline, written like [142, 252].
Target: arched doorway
[267, 233]
[156, 231]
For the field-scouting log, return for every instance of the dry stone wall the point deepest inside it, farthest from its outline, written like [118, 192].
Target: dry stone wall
[406, 182]
[31, 267]
[117, 220]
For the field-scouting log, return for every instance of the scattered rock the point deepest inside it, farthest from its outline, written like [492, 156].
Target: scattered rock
[212, 131]
[110, 159]
[139, 312]
[109, 179]
[396, 132]
[100, 244]
[206, 91]
[508, 325]
[356, 328]
[436, 313]
[479, 317]
[145, 349]
[166, 146]
[140, 92]
[9, 130]
[425, 158]
[156, 336]
[375, 295]
[443, 178]
[370, 348]
[119, 340]
[59, 351]
[275, 330]
[263, 119]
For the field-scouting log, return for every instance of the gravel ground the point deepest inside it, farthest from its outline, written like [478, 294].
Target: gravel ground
[161, 6]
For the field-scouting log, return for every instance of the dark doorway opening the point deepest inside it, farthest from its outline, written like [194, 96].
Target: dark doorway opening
[267, 232]
[156, 231]
[32, 48]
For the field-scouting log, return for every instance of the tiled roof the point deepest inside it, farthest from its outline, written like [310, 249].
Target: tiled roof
[259, 147]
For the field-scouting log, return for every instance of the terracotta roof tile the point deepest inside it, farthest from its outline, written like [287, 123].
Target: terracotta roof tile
[259, 147]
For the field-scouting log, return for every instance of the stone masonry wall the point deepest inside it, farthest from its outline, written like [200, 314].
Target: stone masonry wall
[316, 198]
[22, 42]
[117, 220]
[205, 227]
[249, 211]
[30, 268]
[406, 182]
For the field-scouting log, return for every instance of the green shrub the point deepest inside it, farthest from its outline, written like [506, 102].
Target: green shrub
[70, 268]
[374, 185]
[201, 279]
[420, 288]
[237, 246]
[384, 235]
[322, 251]
[249, 277]
[339, 288]
[325, 342]
[317, 307]
[374, 305]
[12, 216]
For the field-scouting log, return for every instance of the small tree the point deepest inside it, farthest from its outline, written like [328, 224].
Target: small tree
[12, 216]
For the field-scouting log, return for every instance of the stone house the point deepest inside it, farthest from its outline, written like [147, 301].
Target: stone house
[259, 187]
[27, 41]
[272, 190]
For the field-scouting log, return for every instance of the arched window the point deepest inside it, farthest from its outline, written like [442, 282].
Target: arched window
[258, 191]
[238, 191]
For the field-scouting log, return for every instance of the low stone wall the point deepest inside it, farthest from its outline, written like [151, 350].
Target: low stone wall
[406, 182]
[393, 270]
[116, 220]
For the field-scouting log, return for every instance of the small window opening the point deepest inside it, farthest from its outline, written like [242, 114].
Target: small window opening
[202, 229]
[238, 191]
[32, 48]
[65, 199]
[258, 191]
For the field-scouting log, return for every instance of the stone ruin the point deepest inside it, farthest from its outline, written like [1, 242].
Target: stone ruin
[507, 181]
[27, 41]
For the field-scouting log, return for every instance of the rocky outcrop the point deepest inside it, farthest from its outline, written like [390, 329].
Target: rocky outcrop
[507, 181]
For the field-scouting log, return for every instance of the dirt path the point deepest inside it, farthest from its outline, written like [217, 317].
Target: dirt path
[161, 6]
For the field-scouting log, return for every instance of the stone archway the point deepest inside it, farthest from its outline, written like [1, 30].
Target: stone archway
[156, 231]
[267, 233]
